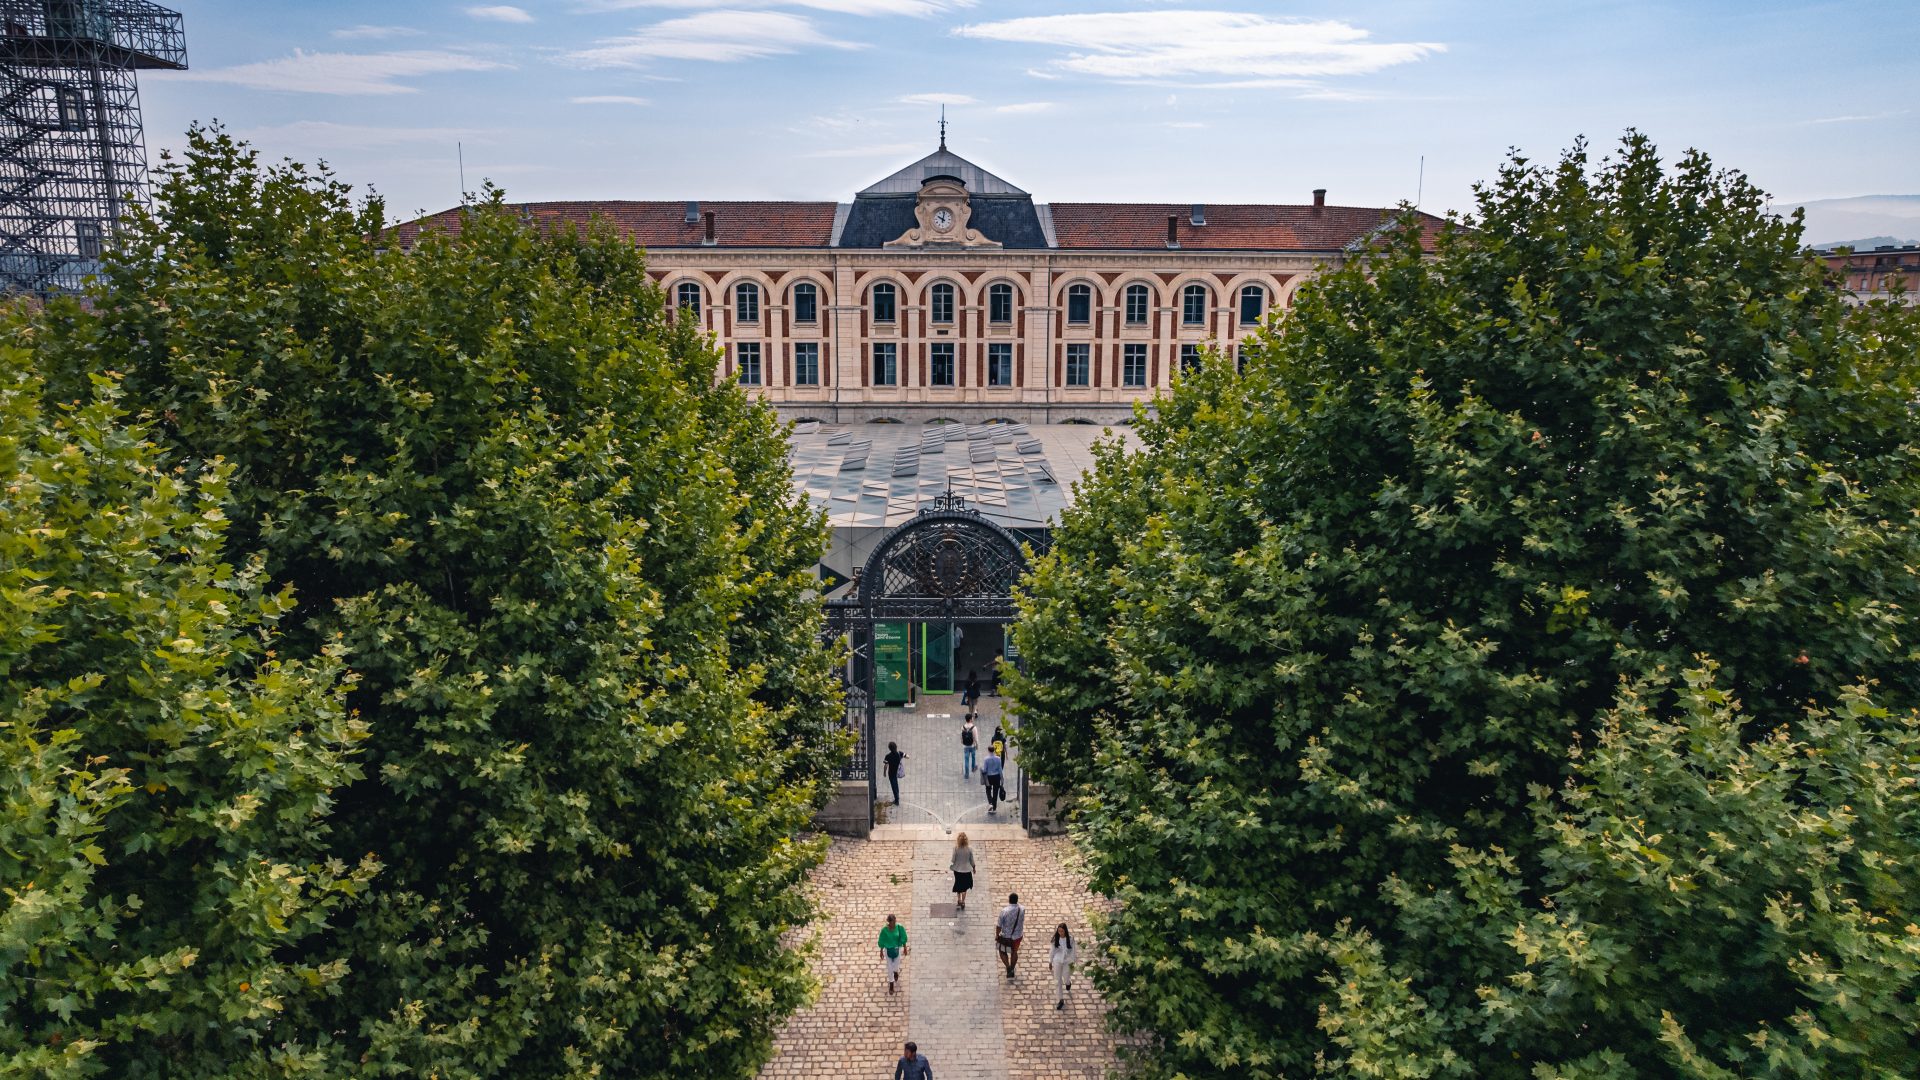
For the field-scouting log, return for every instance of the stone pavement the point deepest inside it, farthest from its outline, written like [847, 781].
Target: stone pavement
[933, 792]
[957, 1003]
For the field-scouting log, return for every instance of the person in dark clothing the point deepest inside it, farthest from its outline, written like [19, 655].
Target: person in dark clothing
[893, 761]
[971, 694]
[990, 779]
[913, 1066]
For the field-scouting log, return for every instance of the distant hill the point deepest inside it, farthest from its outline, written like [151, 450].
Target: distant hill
[1866, 243]
[1882, 219]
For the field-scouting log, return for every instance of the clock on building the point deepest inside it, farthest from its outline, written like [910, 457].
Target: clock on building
[943, 219]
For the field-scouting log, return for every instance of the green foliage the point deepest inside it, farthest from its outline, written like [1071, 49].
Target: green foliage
[1376, 667]
[573, 579]
[165, 775]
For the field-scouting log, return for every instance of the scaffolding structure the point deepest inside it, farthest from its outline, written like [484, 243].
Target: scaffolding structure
[73, 157]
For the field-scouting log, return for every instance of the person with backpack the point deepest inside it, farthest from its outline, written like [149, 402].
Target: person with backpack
[969, 740]
[1062, 958]
[1008, 930]
[893, 945]
[990, 778]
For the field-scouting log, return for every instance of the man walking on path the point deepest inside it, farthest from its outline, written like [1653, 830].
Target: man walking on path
[893, 945]
[969, 747]
[1007, 932]
[913, 1066]
[895, 762]
[990, 770]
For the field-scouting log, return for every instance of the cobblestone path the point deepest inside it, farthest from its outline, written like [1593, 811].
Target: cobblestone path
[956, 1001]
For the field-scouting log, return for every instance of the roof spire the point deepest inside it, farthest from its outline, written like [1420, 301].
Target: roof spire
[943, 127]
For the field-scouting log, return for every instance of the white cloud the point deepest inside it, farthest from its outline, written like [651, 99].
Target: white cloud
[883, 150]
[914, 8]
[1020, 107]
[1856, 118]
[939, 99]
[505, 13]
[342, 73]
[1160, 45]
[1186, 125]
[310, 135]
[365, 32]
[719, 36]
[609, 99]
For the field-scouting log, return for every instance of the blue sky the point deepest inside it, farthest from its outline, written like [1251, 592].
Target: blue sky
[1095, 100]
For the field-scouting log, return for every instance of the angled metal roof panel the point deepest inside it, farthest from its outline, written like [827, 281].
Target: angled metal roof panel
[942, 162]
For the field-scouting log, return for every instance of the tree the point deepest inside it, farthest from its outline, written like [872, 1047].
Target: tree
[1351, 662]
[167, 765]
[574, 580]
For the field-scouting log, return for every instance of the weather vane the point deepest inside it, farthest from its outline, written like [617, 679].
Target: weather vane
[943, 127]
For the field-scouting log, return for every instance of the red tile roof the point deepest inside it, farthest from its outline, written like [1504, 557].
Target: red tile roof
[664, 225]
[1229, 227]
[1136, 226]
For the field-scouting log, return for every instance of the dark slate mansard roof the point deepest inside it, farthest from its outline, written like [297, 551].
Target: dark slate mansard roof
[882, 211]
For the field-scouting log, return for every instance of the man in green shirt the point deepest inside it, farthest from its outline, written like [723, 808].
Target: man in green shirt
[893, 945]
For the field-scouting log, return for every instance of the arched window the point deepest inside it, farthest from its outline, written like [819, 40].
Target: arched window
[1139, 304]
[1000, 303]
[1253, 304]
[806, 303]
[940, 303]
[885, 301]
[1079, 305]
[687, 298]
[1193, 305]
[746, 302]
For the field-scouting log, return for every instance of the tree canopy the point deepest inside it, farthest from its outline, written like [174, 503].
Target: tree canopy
[571, 577]
[1511, 673]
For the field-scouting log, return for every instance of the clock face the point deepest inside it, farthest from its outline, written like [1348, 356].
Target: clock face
[943, 219]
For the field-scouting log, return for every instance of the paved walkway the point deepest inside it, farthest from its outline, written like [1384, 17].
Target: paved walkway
[971, 1022]
[934, 792]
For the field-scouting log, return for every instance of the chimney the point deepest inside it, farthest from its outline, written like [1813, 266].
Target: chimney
[1199, 214]
[708, 240]
[1173, 230]
[693, 213]
[1319, 201]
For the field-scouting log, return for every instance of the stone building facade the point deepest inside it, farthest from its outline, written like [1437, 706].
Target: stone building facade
[944, 293]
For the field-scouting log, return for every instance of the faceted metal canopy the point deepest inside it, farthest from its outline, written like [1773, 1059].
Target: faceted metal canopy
[942, 162]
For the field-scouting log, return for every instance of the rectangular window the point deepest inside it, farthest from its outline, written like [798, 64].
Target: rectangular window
[886, 364]
[1133, 365]
[1253, 302]
[1078, 364]
[942, 303]
[1000, 304]
[746, 356]
[806, 304]
[73, 109]
[999, 364]
[1189, 358]
[883, 301]
[746, 303]
[940, 364]
[1193, 306]
[88, 234]
[806, 363]
[1137, 306]
[1079, 305]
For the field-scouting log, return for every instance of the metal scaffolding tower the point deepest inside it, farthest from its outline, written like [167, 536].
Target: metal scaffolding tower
[72, 154]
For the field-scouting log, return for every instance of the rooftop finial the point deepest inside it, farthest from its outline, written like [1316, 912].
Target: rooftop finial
[943, 127]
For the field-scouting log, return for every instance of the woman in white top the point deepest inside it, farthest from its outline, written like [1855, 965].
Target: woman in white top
[1062, 958]
[962, 871]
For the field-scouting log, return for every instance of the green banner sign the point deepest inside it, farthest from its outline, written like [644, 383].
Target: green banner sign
[891, 657]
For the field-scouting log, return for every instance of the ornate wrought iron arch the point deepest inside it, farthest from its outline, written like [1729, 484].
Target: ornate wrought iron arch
[948, 564]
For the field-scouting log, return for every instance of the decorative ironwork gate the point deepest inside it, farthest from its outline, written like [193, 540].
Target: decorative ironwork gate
[948, 564]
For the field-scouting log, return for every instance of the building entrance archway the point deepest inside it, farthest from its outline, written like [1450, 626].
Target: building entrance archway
[934, 593]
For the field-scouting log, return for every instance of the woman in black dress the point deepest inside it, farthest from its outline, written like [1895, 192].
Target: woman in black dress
[962, 871]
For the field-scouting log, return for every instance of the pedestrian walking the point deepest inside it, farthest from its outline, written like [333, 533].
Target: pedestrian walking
[893, 946]
[896, 763]
[990, 770]
[962, 871]
[972, 693]
[1008, 930]
[1062, 957]
[969, 746]
[913, 1066]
